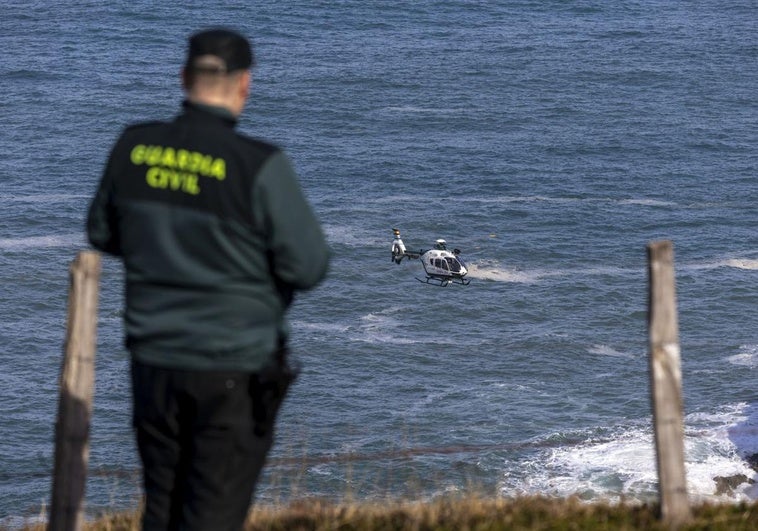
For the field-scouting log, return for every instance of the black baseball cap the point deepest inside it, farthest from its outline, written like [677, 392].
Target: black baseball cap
[218, 50]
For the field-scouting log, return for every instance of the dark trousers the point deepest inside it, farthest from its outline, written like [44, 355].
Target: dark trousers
[203, 439]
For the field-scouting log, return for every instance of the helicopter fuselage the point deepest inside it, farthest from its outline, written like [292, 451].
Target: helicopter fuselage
[443, 266]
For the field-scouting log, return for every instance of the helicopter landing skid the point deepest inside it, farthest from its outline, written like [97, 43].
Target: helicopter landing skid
[443, 282]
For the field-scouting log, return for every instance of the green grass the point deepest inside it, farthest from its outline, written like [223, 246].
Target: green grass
[469, 513]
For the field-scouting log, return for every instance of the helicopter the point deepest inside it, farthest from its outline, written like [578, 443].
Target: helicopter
[440, 265]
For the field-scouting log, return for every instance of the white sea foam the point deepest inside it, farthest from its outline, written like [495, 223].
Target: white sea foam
[646, 202]
[737, 263]
[491, 271]
[377, 335]
[605, 350]
[623, 466]
[747, 357]
[322, 327]
[356, 236]
[40, 242]
[741, 263]
[525, 199]
[413, 109]
[611, 469]
[565, 200]
[379, 327]
[384, 327]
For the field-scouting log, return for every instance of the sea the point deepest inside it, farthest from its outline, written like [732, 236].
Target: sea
[550, 141]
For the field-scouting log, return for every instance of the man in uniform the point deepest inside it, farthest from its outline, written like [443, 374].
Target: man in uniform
[216, 236]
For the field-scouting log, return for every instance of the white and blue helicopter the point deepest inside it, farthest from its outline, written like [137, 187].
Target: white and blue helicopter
[440, 265]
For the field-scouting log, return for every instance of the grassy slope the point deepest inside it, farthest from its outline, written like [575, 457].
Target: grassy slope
[470, 513]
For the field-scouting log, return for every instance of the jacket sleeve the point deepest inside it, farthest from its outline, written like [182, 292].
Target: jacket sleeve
[298, 251]
[102, 227]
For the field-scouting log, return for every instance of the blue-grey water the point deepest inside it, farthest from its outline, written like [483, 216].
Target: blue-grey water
[550, 141]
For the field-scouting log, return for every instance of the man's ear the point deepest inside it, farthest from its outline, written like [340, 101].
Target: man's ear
[244, 83]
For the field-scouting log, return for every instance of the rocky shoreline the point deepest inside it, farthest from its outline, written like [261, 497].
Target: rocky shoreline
[727, 484]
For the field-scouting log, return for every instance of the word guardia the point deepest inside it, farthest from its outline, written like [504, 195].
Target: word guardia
[177, 169]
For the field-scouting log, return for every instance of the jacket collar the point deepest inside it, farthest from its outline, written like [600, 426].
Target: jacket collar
[192, 108]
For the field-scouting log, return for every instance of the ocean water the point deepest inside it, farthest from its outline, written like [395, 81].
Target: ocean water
[549, 141]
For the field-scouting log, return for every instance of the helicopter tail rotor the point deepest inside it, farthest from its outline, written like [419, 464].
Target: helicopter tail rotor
[398, 247]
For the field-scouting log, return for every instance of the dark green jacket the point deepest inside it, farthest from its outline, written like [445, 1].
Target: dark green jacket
[215, 235]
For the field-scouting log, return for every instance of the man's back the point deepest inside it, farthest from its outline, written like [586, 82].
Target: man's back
[200, 210]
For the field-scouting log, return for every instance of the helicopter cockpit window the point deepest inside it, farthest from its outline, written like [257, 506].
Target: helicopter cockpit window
[440, 263]
[455, 266]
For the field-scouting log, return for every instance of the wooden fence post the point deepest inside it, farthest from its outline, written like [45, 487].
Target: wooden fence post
[666, 384]
[75, 400]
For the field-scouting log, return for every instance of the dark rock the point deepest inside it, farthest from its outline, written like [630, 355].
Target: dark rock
[727, 484]
[752, 460]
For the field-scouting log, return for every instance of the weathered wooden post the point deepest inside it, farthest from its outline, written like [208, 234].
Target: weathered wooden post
[76, 390]
[666, 384]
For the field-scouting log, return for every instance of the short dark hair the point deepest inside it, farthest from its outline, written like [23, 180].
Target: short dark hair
[230, 50]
